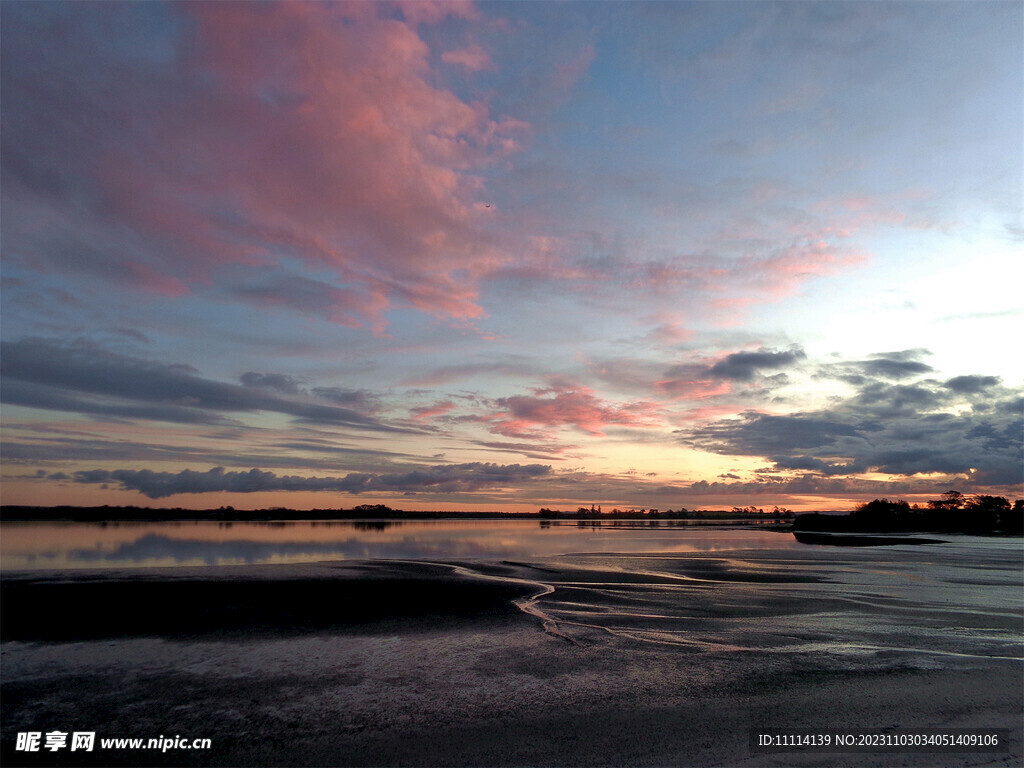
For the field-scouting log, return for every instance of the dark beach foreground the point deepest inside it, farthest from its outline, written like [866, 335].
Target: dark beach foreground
[577, 661]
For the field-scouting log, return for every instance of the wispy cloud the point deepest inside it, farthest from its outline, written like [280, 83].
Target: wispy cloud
[453, 478]
[84, 378]
[474, 58]
[433, 411]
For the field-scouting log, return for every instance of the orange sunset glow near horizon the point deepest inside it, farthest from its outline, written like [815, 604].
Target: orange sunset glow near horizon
[502, 256]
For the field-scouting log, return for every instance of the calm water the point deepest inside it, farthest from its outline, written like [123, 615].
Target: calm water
[89, 545]
[694, 588]
[709, 588]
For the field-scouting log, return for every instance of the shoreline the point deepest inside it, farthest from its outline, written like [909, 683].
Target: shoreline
[374, 513]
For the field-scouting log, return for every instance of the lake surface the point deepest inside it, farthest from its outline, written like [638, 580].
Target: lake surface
[31, 546]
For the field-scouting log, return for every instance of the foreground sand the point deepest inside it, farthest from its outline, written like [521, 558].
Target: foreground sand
[659, 662]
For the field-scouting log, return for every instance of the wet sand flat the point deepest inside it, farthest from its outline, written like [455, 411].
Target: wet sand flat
[576, 660]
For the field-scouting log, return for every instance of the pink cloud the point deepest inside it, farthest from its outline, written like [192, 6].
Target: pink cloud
[870, 211]
[557, 261]
[431, 411]
[317, 132]
[474, 58]
[735, 302]
[693, 389]
[738, 270]
[313, 297]
[433, 11]
[812, 255]
[568, 73]
[577, 406]
[707, 412]
[154, 281]
[669, 331]
[762, 255]
[773, 273]
[448, 374]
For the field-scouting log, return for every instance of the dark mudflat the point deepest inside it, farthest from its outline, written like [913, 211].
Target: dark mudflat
[73, 608]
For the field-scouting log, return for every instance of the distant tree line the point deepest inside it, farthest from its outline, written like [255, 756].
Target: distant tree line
[595, 512]
[953, 512]
[109, 514]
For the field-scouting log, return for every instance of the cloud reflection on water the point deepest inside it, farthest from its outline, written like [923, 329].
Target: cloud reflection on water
[32, 546]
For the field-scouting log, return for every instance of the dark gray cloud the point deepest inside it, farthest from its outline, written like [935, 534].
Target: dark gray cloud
[57, 447]
[279, 382]
[84, 378]
[70, 82]
[453, 478]
[329, 447]
[973, 428]
[542, 451]
[969, 385]
[311, 297]
[886, 401]
[891, 366]
[811, 484]
[744, 366]
[764, 434]
[902, 355]
[895, 369]
[36, 394]
[508, 367]
[701, 380]
[358, 399]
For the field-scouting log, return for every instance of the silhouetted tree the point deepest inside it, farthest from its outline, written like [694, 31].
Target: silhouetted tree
[950, 500]
[1014, 521]
[954, 513]
[997, 503]
[986, 513]
[880, 507]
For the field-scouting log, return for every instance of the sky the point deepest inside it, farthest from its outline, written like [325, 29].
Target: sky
[506, 255]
